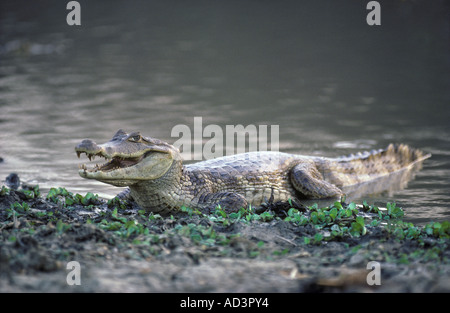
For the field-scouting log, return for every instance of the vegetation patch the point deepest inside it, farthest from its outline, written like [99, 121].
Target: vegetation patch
[62, 225]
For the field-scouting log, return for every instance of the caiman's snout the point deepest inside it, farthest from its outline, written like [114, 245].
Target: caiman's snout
[87, 145]
[90, 148]
[130, 158]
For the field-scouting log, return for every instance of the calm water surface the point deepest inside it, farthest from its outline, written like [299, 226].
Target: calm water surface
[333, 84]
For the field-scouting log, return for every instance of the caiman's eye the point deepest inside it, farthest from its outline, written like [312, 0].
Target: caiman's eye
[135, 138]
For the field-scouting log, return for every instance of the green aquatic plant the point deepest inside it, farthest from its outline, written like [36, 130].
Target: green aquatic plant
[66, 198]
[345, 223]
[118, 203]
[62, 227]
[31, 192]
[341, 219]
[358, 227]
[438, 229]
[4, 191]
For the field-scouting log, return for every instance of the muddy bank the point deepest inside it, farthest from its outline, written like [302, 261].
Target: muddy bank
[284, 247]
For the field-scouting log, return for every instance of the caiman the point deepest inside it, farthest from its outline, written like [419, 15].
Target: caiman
[159, 182]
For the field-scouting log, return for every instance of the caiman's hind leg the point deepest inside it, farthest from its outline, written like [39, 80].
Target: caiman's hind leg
[307, 180]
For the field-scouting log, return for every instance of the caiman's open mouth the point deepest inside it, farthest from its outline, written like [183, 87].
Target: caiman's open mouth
[116, 162]
[130, 158]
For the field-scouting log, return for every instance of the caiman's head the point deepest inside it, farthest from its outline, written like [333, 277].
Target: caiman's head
[130, 158]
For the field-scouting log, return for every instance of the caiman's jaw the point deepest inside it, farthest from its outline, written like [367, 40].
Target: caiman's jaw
[130, 159]
[114, 163]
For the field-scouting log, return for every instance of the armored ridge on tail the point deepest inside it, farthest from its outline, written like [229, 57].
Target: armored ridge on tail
[159, 182]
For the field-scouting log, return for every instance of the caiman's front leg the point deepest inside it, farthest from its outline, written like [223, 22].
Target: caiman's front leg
[228, 201]
[309, 181]
[124, 195]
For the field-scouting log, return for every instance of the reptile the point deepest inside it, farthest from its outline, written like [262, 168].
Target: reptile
[159, 182]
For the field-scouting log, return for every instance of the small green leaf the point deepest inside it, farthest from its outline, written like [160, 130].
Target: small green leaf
[333, 213]
[338, 205]
[318, 237]
[360, 220]
[69, 201]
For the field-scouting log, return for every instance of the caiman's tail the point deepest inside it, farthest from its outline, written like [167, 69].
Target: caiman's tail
[368, 166]
[398, 156]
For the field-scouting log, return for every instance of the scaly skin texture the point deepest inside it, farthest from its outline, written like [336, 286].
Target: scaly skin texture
[159, 182]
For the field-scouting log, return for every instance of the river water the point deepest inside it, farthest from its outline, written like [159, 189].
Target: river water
[333, 84]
